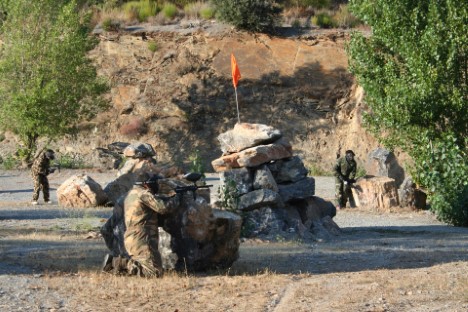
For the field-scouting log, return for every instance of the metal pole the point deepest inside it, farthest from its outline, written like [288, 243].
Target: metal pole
[237, 105]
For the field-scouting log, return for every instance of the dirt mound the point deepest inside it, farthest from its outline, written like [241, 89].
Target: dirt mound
[180, 97]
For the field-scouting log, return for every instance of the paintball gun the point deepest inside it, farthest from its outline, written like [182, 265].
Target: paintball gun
[55, 166]
[192, 177]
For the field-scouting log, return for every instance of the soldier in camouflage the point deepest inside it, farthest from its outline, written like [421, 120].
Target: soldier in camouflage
[345, 172]
[40, 170]
[141, 211]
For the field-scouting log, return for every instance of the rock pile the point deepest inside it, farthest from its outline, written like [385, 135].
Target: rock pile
[264, 182]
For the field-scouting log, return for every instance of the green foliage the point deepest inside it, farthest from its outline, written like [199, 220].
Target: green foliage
[344, 18]
[318, 4]
[110, 25]
[316, 171]
[142, 9]
[229, 195]
[207, 12]
[323, 20]
[196, 163]
[9, 162]
[152, 46]
[360, 172]
[443, 167]
[253, 15]
[414, 71]
[71, 161]
[169, 10]
[47, 82]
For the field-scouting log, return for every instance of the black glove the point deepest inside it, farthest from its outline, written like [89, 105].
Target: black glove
[351, 181]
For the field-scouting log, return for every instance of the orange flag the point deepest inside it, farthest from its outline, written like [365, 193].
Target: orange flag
[235, 71]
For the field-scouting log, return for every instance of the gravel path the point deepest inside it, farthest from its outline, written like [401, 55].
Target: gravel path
[369, 241]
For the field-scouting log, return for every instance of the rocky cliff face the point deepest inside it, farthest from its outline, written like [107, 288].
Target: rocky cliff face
[180, 97]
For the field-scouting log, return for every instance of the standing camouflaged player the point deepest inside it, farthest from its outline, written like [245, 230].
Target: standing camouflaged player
[345, 172]
[141, 209]
[40, 170]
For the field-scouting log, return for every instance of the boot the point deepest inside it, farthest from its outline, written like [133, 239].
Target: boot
[107, 263]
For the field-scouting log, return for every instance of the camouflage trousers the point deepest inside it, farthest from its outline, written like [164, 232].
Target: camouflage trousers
[342, 193]
[41, 183]
[142, 247]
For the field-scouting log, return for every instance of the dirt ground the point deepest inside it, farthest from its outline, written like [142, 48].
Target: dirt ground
[402, 261]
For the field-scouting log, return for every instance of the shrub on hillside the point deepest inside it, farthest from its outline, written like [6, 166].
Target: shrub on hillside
[169, 10]
[253, 15]
[323, 20]
[141, 10]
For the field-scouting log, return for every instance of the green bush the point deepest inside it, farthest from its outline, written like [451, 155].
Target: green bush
[110, 25]
[71, 161]
[323, 20]
[192, 10]
[252, 15]
[169, 10]
[442, 166]
[207, 12]
[9, 162]
[141, 9]
[152, 46]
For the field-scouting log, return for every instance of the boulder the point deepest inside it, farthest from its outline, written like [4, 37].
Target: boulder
[241, 177]
[263, 179]
[254, 156]
[81, 191]
[290, 170]
[259, 198]
[298, 190]
[202, 238]
[410, 196]
[265, 222]
[376, 193]
[382, 162]
[245, 135]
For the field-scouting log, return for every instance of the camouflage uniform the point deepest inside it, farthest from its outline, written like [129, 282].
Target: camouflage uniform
[39, 172]
[343, 170]
[141, 209]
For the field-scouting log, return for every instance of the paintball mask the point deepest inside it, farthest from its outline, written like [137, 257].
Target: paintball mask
[349, 155]
[151, 183]
[50, 154]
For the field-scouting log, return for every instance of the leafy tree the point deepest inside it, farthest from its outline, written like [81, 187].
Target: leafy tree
[253, 15]
[414, 69]
[47, 82]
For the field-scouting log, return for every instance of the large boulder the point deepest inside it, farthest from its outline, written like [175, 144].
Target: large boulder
[376, 193]
[245, 135]
[259, 198]
[139, 150]
[254, 156]
[411, 196]
[382, 162]
[81, 191]
[298, 190]
[241, 177]
[263, 179]
[290, 170]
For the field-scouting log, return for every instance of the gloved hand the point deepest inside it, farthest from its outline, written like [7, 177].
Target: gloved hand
[351, 181]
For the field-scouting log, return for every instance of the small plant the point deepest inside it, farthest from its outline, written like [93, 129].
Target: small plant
[9, 162]
[196, 163]
[169, 10]
[343, 17]
[207, 12]
[323, 20]
[296, 23]
[229, 195]
[141, 10]
[152, 46]
[360, 172]
[191, 10]
[315, 170]
[110, 25]
[71, 161]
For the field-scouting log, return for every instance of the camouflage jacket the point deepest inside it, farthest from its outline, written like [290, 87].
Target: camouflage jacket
[142, 209]
[40, 165]
[345, 169]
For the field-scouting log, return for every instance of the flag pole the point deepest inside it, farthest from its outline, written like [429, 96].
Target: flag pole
[237, 105]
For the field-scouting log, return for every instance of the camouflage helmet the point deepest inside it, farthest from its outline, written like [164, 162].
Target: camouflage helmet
[350, 152]
[50, 154]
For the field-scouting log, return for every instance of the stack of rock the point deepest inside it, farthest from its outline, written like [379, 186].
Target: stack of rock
[275, 195]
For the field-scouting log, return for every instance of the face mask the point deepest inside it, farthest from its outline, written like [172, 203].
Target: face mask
[349, 157]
